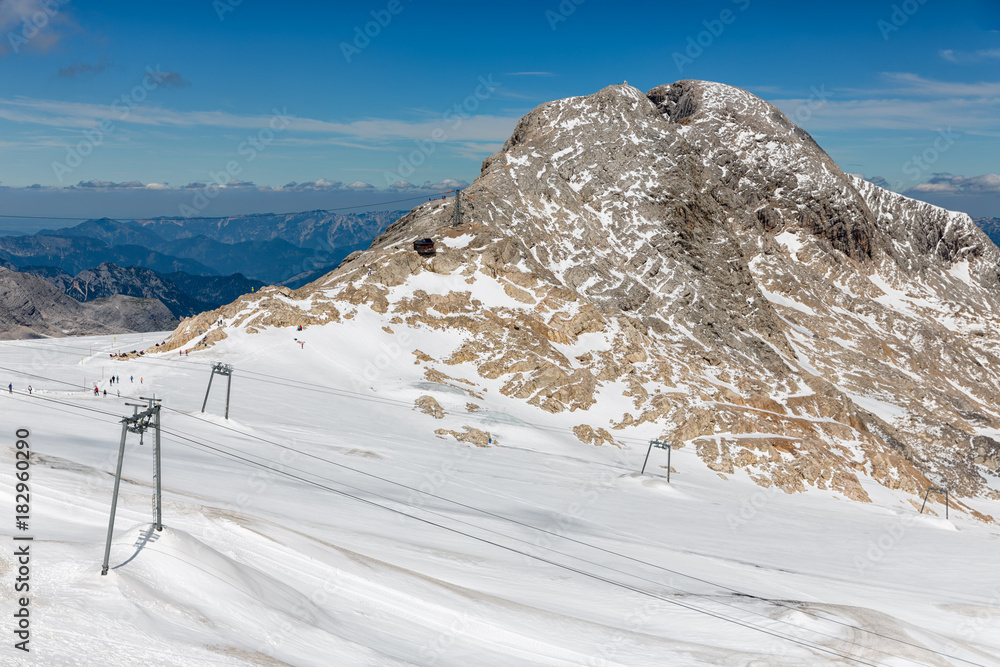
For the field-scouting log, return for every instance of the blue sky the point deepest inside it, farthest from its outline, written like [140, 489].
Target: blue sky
[130, 109]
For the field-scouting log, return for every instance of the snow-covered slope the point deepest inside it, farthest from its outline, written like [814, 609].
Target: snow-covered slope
[367, 540]
[690, 260]
[450, 444]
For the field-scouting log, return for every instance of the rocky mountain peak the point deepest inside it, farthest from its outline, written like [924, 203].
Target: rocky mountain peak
[692, 255]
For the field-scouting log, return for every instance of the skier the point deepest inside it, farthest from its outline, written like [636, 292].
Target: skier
[119, 393]
[95, 390]
[131, 378]
[29, 389]
[10, 388]
[105, 392]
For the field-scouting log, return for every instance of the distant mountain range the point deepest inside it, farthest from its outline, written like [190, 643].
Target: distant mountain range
[76, 253]
[272, 248]
[169, 268]
[182, 293]
[992, 228]
[31, 307]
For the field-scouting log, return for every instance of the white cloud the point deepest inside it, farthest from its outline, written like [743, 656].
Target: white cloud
[320, 184]
[911, 102]
[108, 185]
[446, 184]
[916, 85]
[968, 57]
[56, 113]
[951, 184]
[32, 24]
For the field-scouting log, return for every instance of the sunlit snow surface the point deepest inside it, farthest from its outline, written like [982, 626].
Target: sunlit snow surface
[254, 568]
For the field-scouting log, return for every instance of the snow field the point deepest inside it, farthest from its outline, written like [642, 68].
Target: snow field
[256, 567]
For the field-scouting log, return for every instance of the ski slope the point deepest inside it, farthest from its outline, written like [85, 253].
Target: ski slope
[326, 524]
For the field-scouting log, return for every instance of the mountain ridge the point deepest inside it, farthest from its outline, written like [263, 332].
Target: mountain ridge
[31, 307]
[691, 261]
[274, 248]
[182, 293]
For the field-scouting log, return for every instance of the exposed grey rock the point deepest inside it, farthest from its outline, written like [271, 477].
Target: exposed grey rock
[756, 301]
[30, 307]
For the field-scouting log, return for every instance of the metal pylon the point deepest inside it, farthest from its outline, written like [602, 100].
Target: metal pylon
[137, 423]
[220, 369]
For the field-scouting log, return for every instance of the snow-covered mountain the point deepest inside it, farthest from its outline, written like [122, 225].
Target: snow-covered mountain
[442, 466]
[690, 262]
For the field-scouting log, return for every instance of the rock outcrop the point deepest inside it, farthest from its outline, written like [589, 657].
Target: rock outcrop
[696, 251]
[30, 307]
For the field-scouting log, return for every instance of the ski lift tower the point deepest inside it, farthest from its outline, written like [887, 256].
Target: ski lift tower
[137, 423]
[226, 370]
[659, 444]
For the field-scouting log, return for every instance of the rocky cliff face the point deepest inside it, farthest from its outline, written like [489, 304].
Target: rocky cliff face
[694, 252]
[30, 307]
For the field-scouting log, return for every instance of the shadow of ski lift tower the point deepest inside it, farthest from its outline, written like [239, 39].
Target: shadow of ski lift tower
[936, 489]
[659, 444]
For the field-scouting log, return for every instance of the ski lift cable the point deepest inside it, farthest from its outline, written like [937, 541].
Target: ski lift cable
[222, 452]
[526, 554]
[501, 517]
[562, 553]
[577, 541]
[336, 391]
